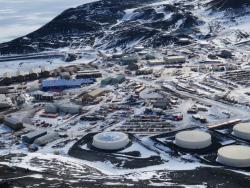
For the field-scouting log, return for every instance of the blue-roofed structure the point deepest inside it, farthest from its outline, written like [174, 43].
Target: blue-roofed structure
[62, 84]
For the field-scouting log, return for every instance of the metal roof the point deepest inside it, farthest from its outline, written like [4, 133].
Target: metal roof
[96, 92]
[12, 120]
[35, 134]
[47, 138]
[62, 82]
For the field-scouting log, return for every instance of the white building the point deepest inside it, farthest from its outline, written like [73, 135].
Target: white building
[5, 102]
[68, 107]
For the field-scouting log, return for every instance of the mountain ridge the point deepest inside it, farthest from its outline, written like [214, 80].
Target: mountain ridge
[108, 24]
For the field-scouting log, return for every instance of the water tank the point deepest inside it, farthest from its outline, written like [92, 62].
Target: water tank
[110, 140]
[242, 131]
[193, 139]
[234, 155]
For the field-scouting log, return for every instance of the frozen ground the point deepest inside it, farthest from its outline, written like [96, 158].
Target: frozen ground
[63, 172]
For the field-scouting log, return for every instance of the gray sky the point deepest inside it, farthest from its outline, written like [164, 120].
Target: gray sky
[20, 17]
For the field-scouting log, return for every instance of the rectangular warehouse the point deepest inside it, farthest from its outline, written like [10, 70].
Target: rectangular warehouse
[107, 81]
[119, 79]
[13, 123]
[68, 107]
[43, 140]
[31, 137]
[88, 74]
[168, 60]
[88, 97]
[65, 84]
[126, 60]
[116, 80]
[174, 59]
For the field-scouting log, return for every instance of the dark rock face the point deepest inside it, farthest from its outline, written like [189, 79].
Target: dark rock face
[109, 23]
[226, 4]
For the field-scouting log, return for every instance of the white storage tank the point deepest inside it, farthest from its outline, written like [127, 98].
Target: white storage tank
[234, 155]
[242, 131]
[110, 140]
[193, 139]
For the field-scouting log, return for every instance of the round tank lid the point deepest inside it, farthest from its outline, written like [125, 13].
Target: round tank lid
[235, 152]
[193, 136]
[110, 136]
[242, 127]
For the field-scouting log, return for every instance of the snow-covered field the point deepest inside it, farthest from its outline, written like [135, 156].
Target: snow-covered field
[20, 17]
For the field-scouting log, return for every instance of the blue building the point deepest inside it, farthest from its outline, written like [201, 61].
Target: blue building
[62, 84]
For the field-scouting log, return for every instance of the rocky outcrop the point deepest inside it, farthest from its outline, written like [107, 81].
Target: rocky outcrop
[109, 23]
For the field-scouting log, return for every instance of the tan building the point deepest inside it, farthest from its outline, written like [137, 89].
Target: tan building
[90, 96]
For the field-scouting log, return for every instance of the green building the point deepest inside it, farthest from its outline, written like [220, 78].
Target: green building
[110, 80]
[107, 81]
[119, 79]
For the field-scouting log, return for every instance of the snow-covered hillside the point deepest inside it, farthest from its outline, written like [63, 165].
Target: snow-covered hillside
[121, 23]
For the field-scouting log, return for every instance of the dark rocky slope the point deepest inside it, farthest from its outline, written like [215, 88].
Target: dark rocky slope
[228, 4]
[108, 23]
